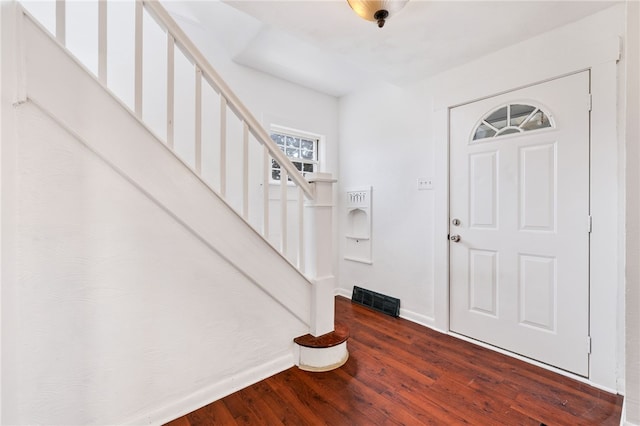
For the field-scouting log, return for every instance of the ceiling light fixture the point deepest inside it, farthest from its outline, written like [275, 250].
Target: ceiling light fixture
[377, 10]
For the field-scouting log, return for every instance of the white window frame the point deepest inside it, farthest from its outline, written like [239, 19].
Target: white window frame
[317, 142]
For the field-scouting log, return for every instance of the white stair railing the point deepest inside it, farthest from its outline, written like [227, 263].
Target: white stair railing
[290, 246]
[250, 125]
[293, 188]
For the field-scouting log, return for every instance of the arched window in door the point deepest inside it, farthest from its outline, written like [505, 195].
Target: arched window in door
[510, 119]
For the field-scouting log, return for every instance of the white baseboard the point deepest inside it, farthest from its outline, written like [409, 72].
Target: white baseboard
[343, 292]
[212, 393]
[404, 313]
[623, 418]
[621, 385]
[418, 318]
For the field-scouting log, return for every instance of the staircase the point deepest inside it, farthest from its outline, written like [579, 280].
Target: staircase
[140, 288]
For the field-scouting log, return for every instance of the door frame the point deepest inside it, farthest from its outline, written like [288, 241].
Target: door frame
[548, 109]
[606, 308]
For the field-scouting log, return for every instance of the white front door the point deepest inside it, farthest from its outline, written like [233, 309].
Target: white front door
[519, 203]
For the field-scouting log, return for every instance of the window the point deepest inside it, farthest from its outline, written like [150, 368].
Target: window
[512, 118]
[302, 150]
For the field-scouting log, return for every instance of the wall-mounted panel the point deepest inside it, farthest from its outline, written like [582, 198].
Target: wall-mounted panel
[358, 231]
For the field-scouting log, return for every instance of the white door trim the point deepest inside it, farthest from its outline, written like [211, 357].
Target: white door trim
[607, 239]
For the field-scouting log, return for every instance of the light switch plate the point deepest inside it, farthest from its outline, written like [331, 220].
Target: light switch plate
[425, 183]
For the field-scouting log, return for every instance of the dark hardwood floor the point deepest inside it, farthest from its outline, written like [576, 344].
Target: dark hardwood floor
[400, 373]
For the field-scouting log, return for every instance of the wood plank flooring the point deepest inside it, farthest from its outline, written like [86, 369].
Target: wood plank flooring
[400, 373]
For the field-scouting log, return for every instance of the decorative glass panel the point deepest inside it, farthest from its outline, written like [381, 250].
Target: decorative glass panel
[484, 131]
[498, 119]
[519, 113]
[539, 121]
[511, 119]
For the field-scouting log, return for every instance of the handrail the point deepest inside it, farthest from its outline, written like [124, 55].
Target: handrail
[285, 237]
[256, 129]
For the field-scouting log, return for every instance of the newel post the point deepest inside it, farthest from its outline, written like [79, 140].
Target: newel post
[319, 254]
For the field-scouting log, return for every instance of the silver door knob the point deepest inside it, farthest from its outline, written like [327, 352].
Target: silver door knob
[455, 238]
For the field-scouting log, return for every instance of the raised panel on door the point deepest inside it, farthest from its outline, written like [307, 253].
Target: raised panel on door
[483, 190]
[537, 287]
[483, 281]
[537, 188]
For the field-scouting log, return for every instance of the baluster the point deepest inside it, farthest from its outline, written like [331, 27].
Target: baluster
[171, 45]
[102, 42]
[223, 145]
[245, 170]
[61, 22]
[284, 177]
[266, 178]
[198, 121]
[138, 60]
[301, 252]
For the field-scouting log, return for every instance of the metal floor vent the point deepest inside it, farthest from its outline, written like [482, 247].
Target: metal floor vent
[376, 301]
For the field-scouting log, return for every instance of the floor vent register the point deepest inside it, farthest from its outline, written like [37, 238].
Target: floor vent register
[376, 301]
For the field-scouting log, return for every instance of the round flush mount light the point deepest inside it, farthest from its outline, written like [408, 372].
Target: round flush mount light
[377, 10]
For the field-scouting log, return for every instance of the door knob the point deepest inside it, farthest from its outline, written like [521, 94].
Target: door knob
[455, 238]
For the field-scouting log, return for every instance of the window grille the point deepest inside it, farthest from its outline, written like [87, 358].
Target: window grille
[302, 150]
[510, 119]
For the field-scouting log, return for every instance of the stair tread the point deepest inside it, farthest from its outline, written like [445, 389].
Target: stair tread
[339, 335]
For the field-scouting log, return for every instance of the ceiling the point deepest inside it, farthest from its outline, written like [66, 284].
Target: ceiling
[324, 45]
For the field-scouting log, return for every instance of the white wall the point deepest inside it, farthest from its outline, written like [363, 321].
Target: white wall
[130, 293]
[632, 60]
[272, 100]
[385, 143]
[119, 312]
[390, 136]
